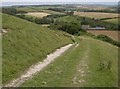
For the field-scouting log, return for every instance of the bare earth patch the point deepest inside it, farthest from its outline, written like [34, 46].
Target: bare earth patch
[3, 31]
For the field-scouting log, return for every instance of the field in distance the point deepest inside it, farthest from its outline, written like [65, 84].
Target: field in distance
[38, 14]
[97, 15]
[114, 20]
[111, 34]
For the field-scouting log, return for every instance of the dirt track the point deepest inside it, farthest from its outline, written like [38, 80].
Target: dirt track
[38, 67]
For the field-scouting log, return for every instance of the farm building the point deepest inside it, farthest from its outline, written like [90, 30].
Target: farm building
[85, 27]
[96, 28]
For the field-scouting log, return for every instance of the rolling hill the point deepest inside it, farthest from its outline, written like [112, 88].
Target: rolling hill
[26, 43]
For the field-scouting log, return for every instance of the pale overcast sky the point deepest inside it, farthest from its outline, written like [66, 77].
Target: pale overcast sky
[59, 0]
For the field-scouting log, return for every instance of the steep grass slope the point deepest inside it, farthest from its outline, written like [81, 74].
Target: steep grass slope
[26, 43]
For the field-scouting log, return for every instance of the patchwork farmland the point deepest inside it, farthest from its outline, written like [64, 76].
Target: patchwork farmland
[97, 15]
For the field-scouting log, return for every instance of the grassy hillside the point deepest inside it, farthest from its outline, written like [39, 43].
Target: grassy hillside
[80, 66]
[26, 43]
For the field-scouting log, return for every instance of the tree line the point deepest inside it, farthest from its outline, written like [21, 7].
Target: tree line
[96, 22]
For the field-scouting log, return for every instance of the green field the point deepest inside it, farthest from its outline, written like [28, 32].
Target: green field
[97, 15]
[80, 67]
[68, 19]
[26, 43]
[25, 9]
[52, 12]
[38, 9]
[114, 21]
[31, 8]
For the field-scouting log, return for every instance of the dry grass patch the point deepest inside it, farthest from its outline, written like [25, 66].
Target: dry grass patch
[38, 14]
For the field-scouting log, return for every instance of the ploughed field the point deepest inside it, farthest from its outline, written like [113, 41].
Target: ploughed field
[111, 34]
[97, 15]
[38, 14]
